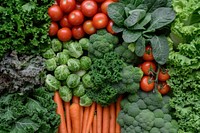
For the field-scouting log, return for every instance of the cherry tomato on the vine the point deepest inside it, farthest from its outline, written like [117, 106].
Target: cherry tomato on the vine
[64, 22]
[109, 27]
[89, 8]
[100, 20]
[64, 34]
[76, 17]
[163, 75]
[147, 83]
[163, 88]
[104, 6]
[148, 67]
[67, 5]
[55, 13]
[53, 29]
[148, 56]
[88, 27]
[78, 32]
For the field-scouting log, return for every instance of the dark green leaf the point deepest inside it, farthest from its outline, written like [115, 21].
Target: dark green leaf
[161, 17]
[130, 36]
[135, 16]
[154, 4]
[140, 47]
[146, 20]
[160, 49]
[117, 29]
[116, 13]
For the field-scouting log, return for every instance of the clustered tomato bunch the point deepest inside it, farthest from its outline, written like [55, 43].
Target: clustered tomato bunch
[154, 78]
[77, 18]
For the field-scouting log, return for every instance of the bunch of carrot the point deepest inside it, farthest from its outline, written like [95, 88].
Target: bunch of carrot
[92, 119]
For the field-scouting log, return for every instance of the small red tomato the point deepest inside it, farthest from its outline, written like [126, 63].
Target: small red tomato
[148, 56]
[99, 1]
[78, 32]
[64, 22]
[57, 1]
[64, 34]
[89, 8]
[109, 27]
[88, 27]
[147, 83]
[100, 20]
[53, 29]
[67, 5]
[163, 75]
[104, 6]
[163, 88]
[75, 17]
[148, 67]
[55, 13]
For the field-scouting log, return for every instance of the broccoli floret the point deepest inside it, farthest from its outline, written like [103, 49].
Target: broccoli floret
[138, 129]
[158, 113]
[159, 122]
[120, 118]
[141, 104]
[123, 103]
[154, 130]
[138, 74]
[133, 110]
[167, 118]
[128, 119]
[133, 98]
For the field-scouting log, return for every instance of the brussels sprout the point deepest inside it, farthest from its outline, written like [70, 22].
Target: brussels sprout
[56, 45]
[79, 90]
[84, 42]
[80, 73]
[73, 80]
[73, 64]
[85, 101]
[75, 49]
[86, 62]
[65, 44]
[52, 83]
[51, 64]
[61, 72]
[65, 93]
[87, 81]
[62, 58]
[49, 54]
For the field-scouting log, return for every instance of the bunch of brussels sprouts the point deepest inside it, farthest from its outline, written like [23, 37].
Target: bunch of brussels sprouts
[67, 68]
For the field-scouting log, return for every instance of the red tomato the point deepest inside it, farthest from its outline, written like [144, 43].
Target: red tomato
[148, 67]
[55, 13]
[163, 88]
[78, 32]
[163, 75]
[53, 29]
[147, 83]
[78, 6]
[57, 1]
[76, 17]
[64, 22]
[99, 1]
[89, 8]
[67, 5]
[148, 56]
[104, 5]
[88, 27]
[100, 20]
[64, 34]
[109, 27]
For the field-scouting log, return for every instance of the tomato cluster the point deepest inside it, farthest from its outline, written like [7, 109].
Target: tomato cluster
[77, 18]
[153, 77]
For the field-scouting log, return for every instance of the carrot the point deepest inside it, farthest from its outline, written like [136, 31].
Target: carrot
[75, 99]
[112, 118]
[85, 118]
[90, 131]
[68, 119]
[99, 118]
[106, 120]
[81, 118]
[91, 116]
[60, 110]
[118, 108]
[94, 125]
[74, 111]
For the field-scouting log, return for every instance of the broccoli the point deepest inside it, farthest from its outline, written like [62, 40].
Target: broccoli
[143, 118]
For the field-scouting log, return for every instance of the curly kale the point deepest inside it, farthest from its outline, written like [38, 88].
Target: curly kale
[35, 111]
[24, 26]
[21, 72]
[144, 112]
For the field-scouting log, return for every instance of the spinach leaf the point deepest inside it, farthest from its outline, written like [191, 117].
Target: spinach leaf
[130, 36]
[140, 47]
[160, 49]
[134, 17]
[160, 18]
[117, 29]
[154, 4]
[116, 13]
